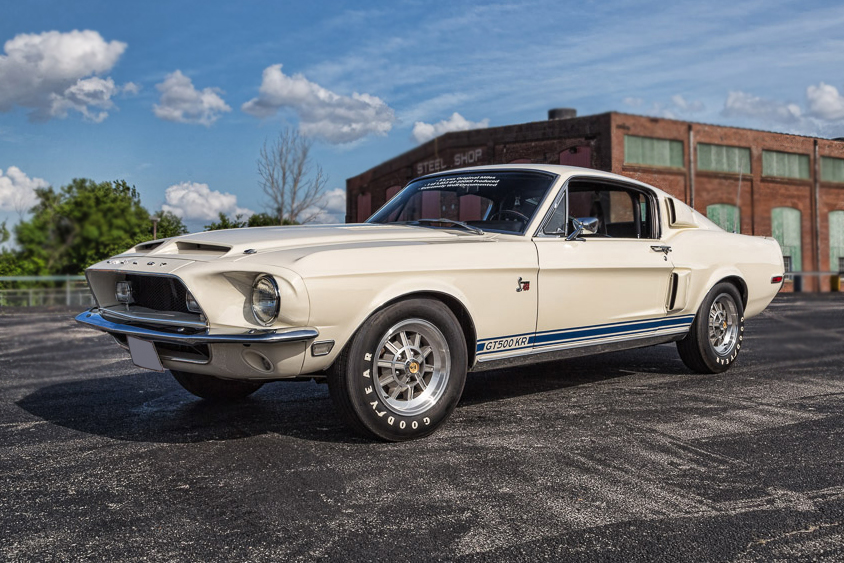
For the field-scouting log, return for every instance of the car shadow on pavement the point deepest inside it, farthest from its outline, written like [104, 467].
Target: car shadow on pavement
[150, 407]
[482, 387]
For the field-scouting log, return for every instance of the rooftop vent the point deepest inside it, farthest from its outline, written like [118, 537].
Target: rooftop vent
[562, 113]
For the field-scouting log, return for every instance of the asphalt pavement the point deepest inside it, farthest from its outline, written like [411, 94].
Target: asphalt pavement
[622, 457]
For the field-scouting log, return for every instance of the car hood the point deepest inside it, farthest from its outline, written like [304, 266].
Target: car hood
[234, 243]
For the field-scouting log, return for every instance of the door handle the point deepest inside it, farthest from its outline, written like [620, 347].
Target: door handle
[664, 248]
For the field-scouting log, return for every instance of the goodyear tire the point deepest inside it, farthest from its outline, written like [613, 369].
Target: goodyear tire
[403, 372]
[715, 338]
[214, 388]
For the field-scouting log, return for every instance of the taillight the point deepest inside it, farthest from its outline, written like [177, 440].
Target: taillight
[776, 279]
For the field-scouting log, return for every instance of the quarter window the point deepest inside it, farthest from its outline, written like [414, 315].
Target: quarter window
[721, 158]
[785, 165]
[653, 152]
[832, 169]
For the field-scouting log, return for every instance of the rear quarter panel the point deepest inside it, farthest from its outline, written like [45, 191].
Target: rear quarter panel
[711, 256]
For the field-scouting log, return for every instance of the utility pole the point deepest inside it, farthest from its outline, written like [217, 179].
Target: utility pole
[155, 221]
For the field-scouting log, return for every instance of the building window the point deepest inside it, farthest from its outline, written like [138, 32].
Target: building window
[832, 169]
[726, 216]
[836, 241]
[653, 152]
[721, 158]
[785, 224]
[785, 165]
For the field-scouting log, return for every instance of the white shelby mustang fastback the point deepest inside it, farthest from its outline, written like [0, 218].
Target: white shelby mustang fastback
[461, 271]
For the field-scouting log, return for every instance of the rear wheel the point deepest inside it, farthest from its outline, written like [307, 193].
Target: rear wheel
[716, 335]
[214, 388]
[403, 372]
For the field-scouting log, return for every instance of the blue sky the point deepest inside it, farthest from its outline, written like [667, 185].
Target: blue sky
[181, 95]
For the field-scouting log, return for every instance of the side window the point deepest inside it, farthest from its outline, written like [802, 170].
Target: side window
[621, 212]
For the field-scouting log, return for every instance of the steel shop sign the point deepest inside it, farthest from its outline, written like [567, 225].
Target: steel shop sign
[466, 158]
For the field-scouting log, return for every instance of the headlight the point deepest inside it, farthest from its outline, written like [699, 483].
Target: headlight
[265, 300]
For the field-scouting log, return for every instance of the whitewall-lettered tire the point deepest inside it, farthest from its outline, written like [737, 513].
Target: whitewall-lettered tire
[715, 338]
[403, 372]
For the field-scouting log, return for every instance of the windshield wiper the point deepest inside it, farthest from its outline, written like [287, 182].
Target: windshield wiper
[466, 226]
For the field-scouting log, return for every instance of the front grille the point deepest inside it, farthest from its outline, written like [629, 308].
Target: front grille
[158, 293]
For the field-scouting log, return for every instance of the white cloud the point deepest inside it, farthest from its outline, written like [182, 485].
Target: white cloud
[191, 200]
[91, 92]
[17, 190]
[677, 107]
[130, 88]
[332, 210]
[322, 113]
[825, 102]
[54, 72]
[182, 103]
[689, 106]
[742, 104]
[423, 132]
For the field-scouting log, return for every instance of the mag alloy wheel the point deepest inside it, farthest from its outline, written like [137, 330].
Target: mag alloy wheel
[723, 324]
[412, 367]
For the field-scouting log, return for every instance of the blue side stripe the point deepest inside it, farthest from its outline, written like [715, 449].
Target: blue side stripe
[588, 333]
[576, 334]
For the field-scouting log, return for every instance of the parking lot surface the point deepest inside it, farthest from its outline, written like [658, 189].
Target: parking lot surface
[621, 457]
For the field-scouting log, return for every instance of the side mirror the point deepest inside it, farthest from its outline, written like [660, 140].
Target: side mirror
[583, 226]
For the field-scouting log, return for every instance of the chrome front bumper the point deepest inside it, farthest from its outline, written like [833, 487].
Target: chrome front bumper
[94, 319]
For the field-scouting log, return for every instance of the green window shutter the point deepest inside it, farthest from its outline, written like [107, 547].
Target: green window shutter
[836, 240]
[721, 158]
[785, 224]
[653, 152]
[785, 165]
[832, 169]
[726, 216]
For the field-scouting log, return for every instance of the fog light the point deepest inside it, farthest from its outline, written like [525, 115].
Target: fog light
[322, 348]
[191, 303]
[123, 292]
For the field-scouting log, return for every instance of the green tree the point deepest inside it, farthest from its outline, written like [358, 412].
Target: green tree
[225, 223]
[4, 232]
[80, 224]
[256, 220]
[267, 220]
[169, 225]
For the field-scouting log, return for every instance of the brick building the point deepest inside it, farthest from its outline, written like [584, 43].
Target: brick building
[754, 182]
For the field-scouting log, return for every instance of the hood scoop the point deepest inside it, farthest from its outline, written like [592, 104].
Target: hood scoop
[201, 249]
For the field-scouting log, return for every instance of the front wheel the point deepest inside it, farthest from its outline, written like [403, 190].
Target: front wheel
[214, 388]
[402, 373]
[716, 335]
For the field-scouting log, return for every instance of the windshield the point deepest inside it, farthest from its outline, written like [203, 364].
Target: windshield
[492, 201]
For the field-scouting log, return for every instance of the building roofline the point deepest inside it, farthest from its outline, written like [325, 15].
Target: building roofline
[726, 126]
[429, 147]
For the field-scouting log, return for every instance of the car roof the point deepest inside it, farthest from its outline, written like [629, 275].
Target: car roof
[565, 172]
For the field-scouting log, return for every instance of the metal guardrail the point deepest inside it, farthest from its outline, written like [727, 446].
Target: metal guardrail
[45, 291]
